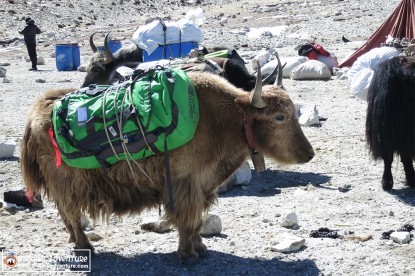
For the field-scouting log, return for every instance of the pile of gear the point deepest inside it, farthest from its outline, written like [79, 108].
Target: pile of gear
[407, 47]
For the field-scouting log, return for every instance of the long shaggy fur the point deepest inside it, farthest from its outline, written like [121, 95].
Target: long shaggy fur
[197, 168]
[390, 121]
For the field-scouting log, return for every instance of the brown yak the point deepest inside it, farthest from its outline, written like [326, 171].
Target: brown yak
[218, 148]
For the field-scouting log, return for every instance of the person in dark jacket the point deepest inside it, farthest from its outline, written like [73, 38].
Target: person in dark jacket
[29, 33]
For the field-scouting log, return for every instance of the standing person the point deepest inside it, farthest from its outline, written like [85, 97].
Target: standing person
[29, 32]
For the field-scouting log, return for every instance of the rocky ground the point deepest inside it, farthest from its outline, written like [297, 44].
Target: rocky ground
[339, 189]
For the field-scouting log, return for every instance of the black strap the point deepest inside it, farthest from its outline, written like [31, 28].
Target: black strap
[168, 175]
[133, 147]
[165, 39]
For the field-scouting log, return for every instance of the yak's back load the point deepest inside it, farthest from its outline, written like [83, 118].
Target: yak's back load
[98, 126]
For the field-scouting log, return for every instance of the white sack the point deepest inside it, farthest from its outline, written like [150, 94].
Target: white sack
[361, 73]
[148, 37]
[361, 82]
[330, 61]
[290, 64]
[372, 59]
[311, 70]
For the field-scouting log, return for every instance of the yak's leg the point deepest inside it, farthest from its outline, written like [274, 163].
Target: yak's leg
[81, 240]
[409, 169]
[198, 245]
[68, 226]
[387, 179]
[186, 250]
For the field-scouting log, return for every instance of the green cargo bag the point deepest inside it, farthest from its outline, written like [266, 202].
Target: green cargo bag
[98, 126]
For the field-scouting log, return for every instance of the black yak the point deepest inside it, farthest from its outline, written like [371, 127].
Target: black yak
[390, 121]
[227, 117]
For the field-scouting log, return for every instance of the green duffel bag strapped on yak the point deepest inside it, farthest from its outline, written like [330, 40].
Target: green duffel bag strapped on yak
[154, 112]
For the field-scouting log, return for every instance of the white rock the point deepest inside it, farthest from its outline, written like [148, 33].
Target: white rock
[309, 116]
[82, 68]
[288, 219]
[52, 54]
[40, 61]
[7, 149]
[3, 72]
[243, 175]
[224, 20]
[401, 237]
[94, 236]
[7, 80]
[211, 225]
[157, 226]
[286, 243]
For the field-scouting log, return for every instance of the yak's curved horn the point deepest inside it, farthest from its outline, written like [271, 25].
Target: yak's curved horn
[92, 44]
[278, 81]
[108, 55]
[270, 76]
[255, 96]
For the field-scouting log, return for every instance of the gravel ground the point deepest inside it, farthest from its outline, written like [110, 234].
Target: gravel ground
[339, 189]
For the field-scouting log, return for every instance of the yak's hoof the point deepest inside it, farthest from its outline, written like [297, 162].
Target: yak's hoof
[410, 183]
[88, 246]
[203, 252]
[387, 184]
[189, 259]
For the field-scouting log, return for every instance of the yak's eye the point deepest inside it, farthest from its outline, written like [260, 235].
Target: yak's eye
[280, 118]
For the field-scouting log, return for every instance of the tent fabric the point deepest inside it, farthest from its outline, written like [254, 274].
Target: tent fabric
[400, 24]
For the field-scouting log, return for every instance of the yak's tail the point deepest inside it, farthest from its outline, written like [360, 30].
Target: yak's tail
[391, 114]
[29, 164]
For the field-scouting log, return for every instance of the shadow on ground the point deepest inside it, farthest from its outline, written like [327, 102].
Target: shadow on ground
[217, 263]
[269, 183]
[406, 195]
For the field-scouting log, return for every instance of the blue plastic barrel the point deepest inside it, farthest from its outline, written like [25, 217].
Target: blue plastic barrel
[113, 45]
[63, 56]
[76, 56]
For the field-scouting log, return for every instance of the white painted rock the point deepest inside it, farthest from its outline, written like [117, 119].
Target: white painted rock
[401, 237]
[286, 243]
[7, 80]
[7, 149]
[40, 61]
[82, 68]
[288, 219]
[212, 225]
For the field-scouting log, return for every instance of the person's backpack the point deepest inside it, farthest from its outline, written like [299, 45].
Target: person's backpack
[311, 49]
[98, 126]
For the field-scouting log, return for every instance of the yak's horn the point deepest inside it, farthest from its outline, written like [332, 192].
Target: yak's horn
[270, 76]
[255, 96]
[108, 55]
[91, 43]
[278, 81]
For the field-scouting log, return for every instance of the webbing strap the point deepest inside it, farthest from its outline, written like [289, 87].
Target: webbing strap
[168, 176]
